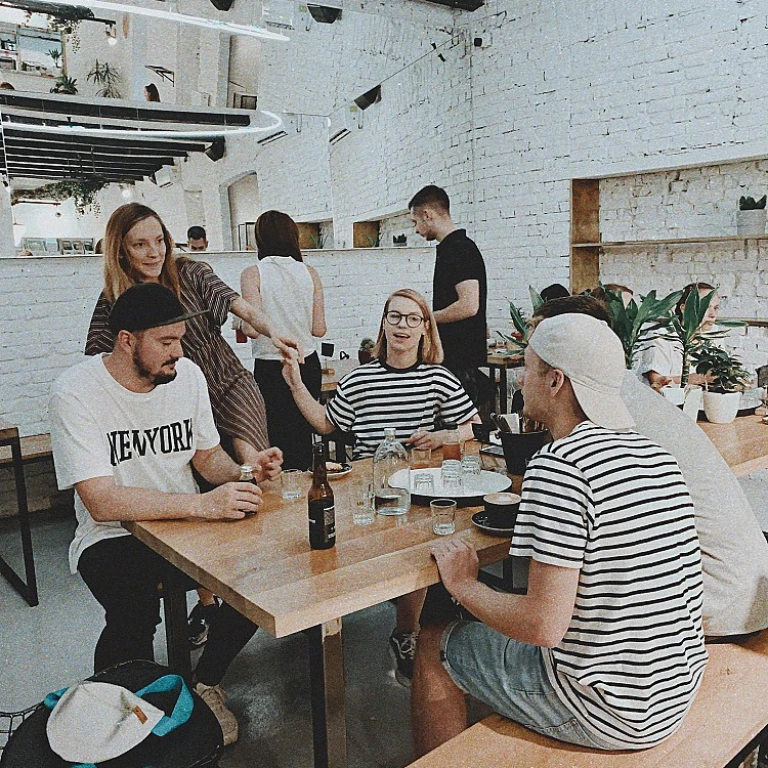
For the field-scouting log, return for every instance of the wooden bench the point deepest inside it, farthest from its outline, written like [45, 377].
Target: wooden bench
[33, 448]
[727, 721]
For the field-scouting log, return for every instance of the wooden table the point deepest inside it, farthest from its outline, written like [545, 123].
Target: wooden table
[264, 568]
[9, 436]
[743, 443]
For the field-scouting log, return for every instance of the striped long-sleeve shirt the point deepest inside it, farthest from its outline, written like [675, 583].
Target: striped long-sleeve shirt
[615, 506]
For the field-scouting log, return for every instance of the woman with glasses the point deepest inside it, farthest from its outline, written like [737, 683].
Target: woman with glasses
[406, 388]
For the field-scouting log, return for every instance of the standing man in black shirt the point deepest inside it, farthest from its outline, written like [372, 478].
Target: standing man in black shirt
[459, 291]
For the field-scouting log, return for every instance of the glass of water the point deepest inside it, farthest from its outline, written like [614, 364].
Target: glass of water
[364, 510]
[443, 516]
[422, 483]
[451, 477]
[290, 480]
[470, 469]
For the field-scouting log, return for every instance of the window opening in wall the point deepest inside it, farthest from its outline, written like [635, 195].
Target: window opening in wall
[365, 234]
[324, 14]
[245, 101]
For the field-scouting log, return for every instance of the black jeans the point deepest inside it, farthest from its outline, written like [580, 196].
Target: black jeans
[477, 385]
[124, 575]
[288, 429]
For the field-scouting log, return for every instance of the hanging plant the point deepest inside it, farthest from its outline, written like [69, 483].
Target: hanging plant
[82, 191]
[105, 75]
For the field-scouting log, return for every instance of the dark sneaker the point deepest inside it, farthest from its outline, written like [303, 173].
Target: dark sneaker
[402, 646]
[198, 623]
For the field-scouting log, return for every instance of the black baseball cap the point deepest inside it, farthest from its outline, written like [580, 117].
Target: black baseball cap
[147, 305]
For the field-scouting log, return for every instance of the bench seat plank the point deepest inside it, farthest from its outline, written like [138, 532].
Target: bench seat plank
[730, 710]
[33, 448]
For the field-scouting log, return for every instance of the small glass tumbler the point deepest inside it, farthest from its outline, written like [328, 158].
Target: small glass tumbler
[443, 516]
[422, 483]
[420, 458]
[364, 511]
[470, 468]
[290, 479]
[451, 477]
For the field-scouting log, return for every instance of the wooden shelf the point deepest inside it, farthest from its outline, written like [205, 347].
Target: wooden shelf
[753, 322]
[608, 244]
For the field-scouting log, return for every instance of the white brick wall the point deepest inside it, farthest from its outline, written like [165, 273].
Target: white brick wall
[48, 304]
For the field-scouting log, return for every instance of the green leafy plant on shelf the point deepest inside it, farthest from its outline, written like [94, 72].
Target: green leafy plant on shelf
[106, 76]
[65, 84]
[635, 324]
[55, 55]
[725, 370]
[750, 204]
[83, 192]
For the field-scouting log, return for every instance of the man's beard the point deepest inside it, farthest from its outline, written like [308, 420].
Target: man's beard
[153, 378]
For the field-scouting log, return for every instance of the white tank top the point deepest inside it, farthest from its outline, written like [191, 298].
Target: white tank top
[287, 291]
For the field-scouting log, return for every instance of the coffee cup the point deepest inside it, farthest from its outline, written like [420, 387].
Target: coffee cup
[503, 502]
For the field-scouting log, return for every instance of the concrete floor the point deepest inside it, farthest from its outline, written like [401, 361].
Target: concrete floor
[48, 647]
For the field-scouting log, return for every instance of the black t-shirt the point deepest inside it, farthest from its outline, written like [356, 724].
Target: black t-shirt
[458, 259]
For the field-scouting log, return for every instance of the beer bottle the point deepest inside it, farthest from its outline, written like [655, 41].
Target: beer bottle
[246, 474]
[321, 508]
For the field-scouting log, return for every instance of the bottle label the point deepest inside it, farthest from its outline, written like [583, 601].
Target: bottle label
[322, 523]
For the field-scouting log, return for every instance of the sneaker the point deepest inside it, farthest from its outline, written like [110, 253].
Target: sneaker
[199, 622]
[214, 697]
[402, 646]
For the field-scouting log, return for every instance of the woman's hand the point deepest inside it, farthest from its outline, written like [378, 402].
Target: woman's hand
[287, 347]
[291, 370]
[420, 439]
[269, 464]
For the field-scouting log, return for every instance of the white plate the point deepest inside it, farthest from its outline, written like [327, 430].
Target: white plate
[488, 482]
[346, 468]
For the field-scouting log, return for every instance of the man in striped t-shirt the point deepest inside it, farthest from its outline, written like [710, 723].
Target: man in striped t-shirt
[606, 649]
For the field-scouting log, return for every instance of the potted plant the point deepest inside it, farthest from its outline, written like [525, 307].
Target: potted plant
[64, 84]
[727, 380]
[107, 77]
[634, 323]
[365, 352]
[399, 240]
[750, 219]
[518, 340]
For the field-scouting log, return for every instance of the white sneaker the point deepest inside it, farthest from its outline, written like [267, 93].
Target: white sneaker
[215, 697]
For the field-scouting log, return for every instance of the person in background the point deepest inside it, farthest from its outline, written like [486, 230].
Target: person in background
[99, 247]
[404, 387]
[292, 295]
[605, 649]
[554, 291]
[661, 362]
[734, 552]
[459, 291]
[109, 416]
[197, 239]
[151, 93]
[139, 249]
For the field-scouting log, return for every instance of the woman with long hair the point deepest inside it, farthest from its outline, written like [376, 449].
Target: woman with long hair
[406, 388]
[151, 93]
[138, 248]
[292, 295]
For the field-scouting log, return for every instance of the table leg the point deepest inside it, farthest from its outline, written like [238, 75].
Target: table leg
[503, 400]
[29, 590]
[326, 674]
[175, 606]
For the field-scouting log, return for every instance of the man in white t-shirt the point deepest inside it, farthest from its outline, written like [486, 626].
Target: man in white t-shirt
[126, 430]
[606, 648]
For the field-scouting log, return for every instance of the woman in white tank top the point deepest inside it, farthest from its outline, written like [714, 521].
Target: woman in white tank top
[292, 295]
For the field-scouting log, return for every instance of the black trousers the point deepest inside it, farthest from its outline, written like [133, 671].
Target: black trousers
[124, 575]
[477, 385]
[288, 429]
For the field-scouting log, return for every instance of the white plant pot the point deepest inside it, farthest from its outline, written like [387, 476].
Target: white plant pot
[721, 408]
[750, 223]
[693, 399]
[675, 394]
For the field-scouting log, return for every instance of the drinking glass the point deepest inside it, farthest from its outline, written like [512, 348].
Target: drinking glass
[420, 458]
[290, 480]
[364, 511]
[422, 483]
[451, 476]
[443, 516]
[470, 468]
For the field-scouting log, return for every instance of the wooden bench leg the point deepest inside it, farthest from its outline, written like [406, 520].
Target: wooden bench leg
[28, 589]
[175, 608]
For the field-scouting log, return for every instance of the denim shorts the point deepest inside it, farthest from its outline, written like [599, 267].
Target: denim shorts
[510, 677]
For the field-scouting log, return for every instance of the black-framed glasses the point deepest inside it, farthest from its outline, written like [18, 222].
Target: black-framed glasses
[412, 321]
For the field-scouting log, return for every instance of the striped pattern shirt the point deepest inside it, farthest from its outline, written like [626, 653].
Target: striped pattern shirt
[375, 396]
[615, 505]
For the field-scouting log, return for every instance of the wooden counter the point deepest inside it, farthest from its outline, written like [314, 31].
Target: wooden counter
[743, 443]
